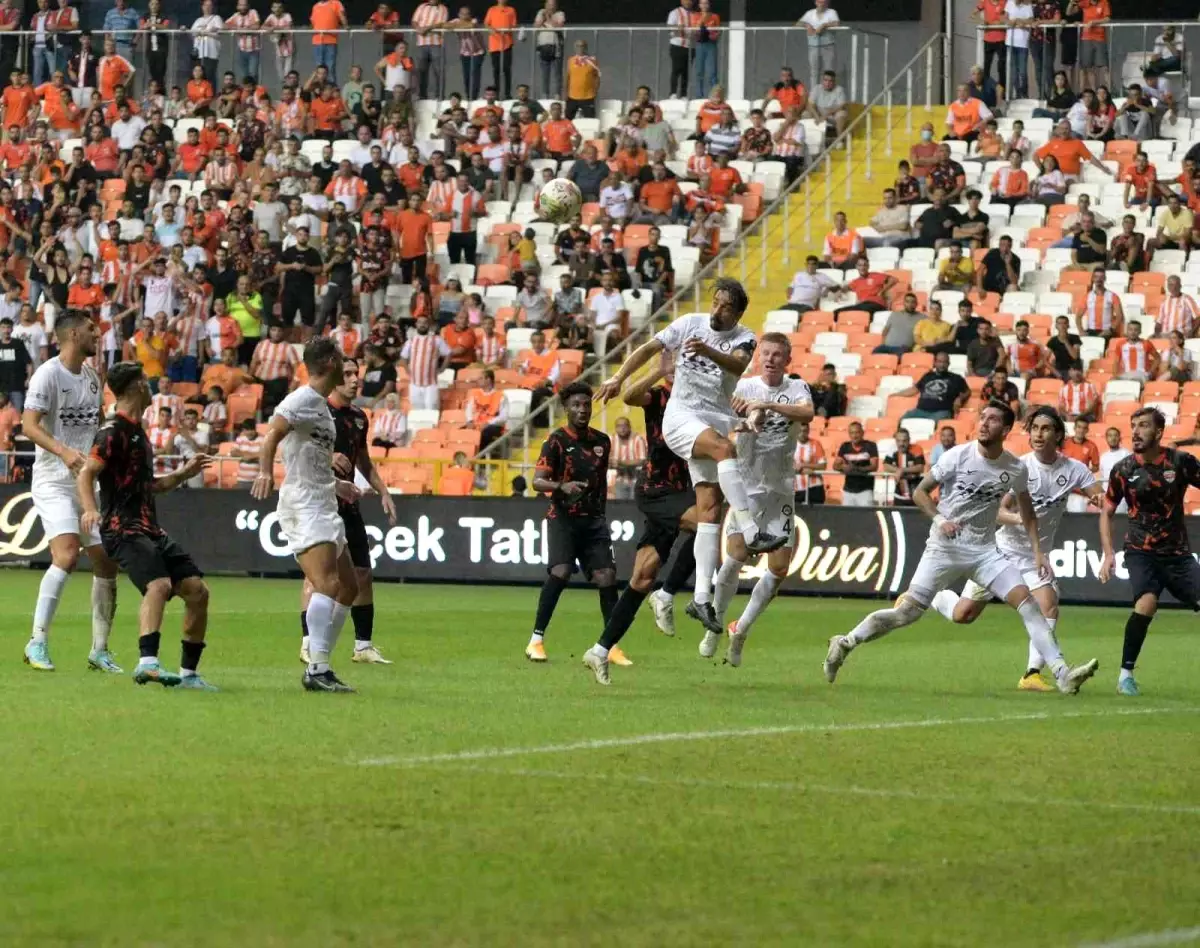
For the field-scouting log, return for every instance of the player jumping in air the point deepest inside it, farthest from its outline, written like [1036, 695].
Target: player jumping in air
[667, 501]
[774, 407]
[1053, 477]
[974, 479]
[573, 470]
[122, 461]
[62, 413]
[350, 455]
[1152, 481]
[713, 352]
[308, 505]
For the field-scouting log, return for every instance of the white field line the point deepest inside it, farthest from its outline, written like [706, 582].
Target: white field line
[788, 786]
[496, 753]
[1178, 936]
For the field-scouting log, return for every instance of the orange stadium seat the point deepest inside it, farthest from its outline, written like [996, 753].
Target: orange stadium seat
[494, 273]
[1160, 391]
[1043, 391]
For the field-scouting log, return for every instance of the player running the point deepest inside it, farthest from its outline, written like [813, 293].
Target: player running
[351, 454]
[1053, 477]
[308, 505]
[573, 470]
[714, 351]
[974, 478]
[1152, 481]
[774, 407]
[667, 501]
[122, 460]
[62, 413]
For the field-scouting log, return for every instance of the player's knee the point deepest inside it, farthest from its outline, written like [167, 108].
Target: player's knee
[1147, 605]
[194, 591]
[347, 589]
[964, 615]
[708, 509]
[724, 450]
[779, 572]
[159, 589]
[66, 560]
[562, 571]
[605, 577]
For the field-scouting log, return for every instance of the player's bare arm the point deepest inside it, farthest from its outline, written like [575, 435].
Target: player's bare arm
[31, 425]
[1029, 521]
[1108, 559]
[265, 482]
[732, 362]
[375, 479]
[638, 394]
[923, 498]
[1008, 515]
[639, 357]
[85, 483]
[189, 469]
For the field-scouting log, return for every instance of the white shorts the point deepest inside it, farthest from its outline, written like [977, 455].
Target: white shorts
[680, 431]
[774, 513]
[858, 498]
[424, 397]
[1029, 574]
[942, 566]
[309, 525]
[58, 507]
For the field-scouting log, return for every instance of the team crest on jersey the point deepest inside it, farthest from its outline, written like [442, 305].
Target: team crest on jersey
[1169, 476]
[723, 345]
[1062, 480]
[359, 423]
[787, 510]
[782, 399]
[599, 449]
[1004, 477]
[95, 388]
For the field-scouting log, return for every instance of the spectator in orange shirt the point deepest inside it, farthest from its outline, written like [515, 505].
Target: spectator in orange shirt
[114, 70]
[660, 201]
[19, 100]
[1070, 152]
[327, 110]
[416, 239]
[1080, 448]
[327, 15]
[1093, 45]
[789, 92]
[560, 135]
[710, 110]
[501, 19]
[457, 480]
[199, 93]
[461, 339]
[725, 181]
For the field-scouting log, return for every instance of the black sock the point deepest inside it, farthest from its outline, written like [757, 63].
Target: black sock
[608, 599]
[148, 645]
[190, 655]
[622, 616]
[1136, 627]
[683, 567]
[363, 618]
[304, 623]
[552, 588]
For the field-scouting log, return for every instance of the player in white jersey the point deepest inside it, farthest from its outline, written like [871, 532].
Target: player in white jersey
[1053, 477]
[713, 352]
[974, 478]
[62, 413]
[308, 505]
[774, 407]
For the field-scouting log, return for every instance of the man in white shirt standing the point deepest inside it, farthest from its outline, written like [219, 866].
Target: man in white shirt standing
[609, 315]
[974, 478]
[206, 40]
[1020, 20]
[679, 47]
[808, 286]
[127, 130]
[822, 47]
[1108, 460]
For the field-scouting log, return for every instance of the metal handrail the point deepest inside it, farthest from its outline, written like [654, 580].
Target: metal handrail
[714, 267]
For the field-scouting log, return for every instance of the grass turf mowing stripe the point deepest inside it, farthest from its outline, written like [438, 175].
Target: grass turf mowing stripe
[1178, 936]
[494, 753]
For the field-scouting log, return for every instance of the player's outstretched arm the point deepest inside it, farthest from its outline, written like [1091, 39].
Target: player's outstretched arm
[189, 469]
[734, 362]
[801, 411]
[639, 357]
[638, 394]
[265, 482]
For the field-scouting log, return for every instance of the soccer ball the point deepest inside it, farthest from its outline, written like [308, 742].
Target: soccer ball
[559, 201]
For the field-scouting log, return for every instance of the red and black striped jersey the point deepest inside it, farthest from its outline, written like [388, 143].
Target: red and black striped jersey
[570, 456]
[127, 479]
[1154, 492]
[664, 472]
[350, 438]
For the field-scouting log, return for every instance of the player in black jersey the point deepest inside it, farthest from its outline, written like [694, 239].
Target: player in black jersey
[1152, 481]
[666, 499]
[350, 454]
[573, 470]
[123, 462]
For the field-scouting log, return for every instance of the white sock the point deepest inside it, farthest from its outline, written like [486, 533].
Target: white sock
[304, 643]
[1035, 657]
[53, 581]
[320, 632]
[600, 650]
[147, 660]
[878, 624]
[536, 638]
[361, 645]
[187, 673]
[104, 606]
[708, 559]
[340, 614]
[944, 602]
[1041, 637]
[734, 489]
[1125, 673]
[763, 592]
[726, 586]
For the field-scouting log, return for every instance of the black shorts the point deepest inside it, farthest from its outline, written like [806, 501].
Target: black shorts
[662, 514]
[1152, 573]
[144, 559]
[584, 540]
[358, 544]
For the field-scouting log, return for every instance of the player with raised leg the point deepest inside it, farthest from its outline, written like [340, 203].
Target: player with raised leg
[62, 413]
[713, 352]
[974, 479]
[351, 454]
[1053, 477]
[122, 462]
[774, 407]
[573, 470]
[308, 505]
[667, 501]
[1152, 481]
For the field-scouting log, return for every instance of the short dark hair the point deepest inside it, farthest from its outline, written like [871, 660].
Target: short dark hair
[1045, 411]
[124, 374]
[1004, 409]
[575, 388]
[812, 258]
[70, 320]
[1020, 323]
[1159, 419]
[319, 353]
[737, 293]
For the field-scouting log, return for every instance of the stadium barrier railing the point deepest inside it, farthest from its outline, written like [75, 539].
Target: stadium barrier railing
[917, 81]
[840, 551]
[628, 55]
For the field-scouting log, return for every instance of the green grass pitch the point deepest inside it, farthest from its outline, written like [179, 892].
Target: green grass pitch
[921, 801]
